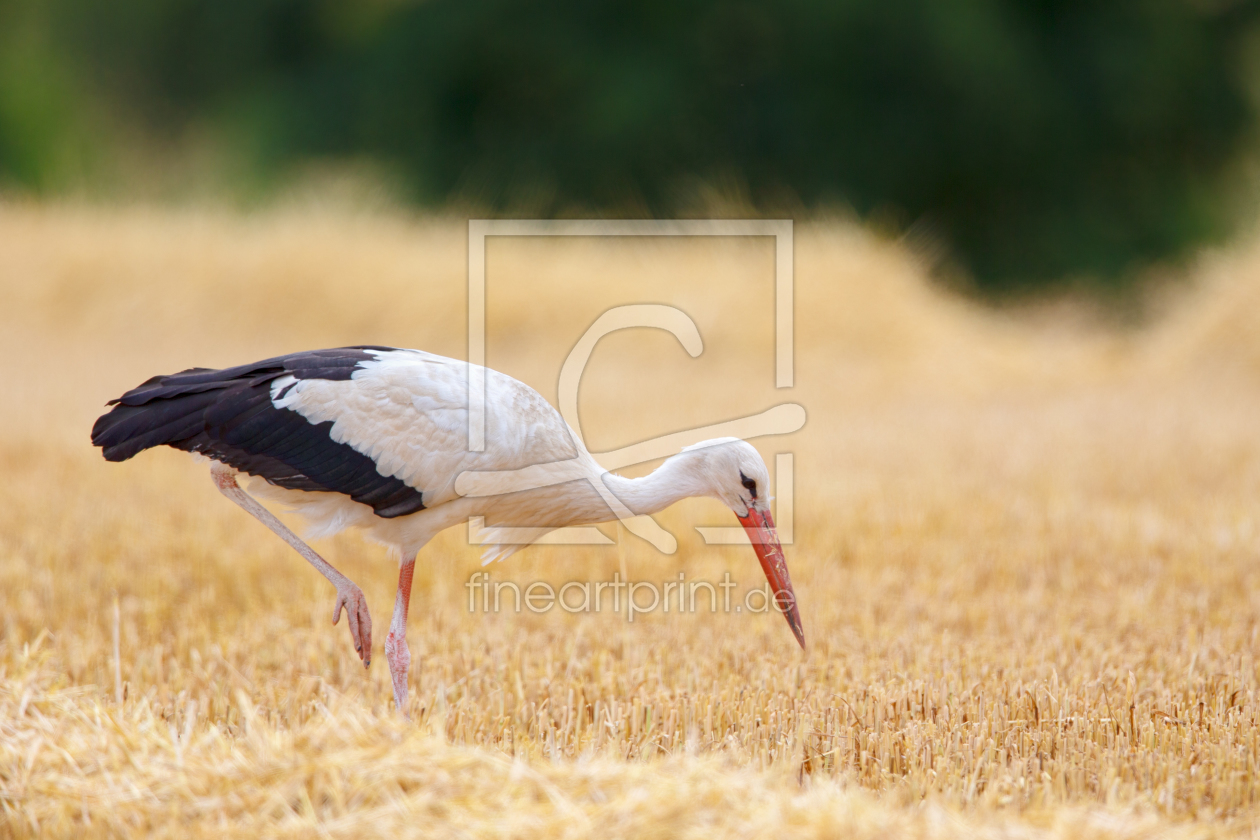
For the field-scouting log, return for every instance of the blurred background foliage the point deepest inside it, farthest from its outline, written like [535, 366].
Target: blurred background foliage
[1035, 140]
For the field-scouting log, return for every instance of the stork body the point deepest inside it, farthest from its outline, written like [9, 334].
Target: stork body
[376, 438]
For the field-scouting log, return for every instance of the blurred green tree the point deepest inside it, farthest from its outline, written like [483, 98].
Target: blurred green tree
[1041, 138]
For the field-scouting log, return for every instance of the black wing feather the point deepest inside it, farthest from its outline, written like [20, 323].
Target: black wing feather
[228, 415]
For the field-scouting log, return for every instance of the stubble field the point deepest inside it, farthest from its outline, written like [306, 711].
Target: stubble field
[1025, 547]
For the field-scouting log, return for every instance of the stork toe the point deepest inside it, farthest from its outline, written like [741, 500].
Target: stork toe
[359, 619]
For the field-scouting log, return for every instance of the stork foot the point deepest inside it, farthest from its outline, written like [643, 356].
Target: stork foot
[351, 598]
[399, 658]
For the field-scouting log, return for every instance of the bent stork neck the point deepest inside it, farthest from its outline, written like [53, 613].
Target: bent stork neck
[672, 481]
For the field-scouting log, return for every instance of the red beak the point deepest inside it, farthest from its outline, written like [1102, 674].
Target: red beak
[760, 528]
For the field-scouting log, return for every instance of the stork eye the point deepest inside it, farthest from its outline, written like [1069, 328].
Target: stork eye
[749, 484]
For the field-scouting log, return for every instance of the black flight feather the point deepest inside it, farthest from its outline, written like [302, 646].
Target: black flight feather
[228, 415]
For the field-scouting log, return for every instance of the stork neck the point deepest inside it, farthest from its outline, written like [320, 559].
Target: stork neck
[668, 483]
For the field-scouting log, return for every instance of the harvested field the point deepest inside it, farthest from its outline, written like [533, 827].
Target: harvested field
[1025, 546]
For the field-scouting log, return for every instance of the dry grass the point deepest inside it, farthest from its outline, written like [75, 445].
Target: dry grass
[1026, 556]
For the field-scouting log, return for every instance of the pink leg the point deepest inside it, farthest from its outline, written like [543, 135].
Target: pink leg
[396, 652]
[349, 596]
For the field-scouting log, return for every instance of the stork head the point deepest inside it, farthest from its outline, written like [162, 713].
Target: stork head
[732, 471]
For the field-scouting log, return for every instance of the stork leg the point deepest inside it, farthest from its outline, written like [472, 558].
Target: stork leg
[396, 652]
[349, 596]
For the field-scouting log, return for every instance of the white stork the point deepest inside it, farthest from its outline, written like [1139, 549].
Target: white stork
[376, 438]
